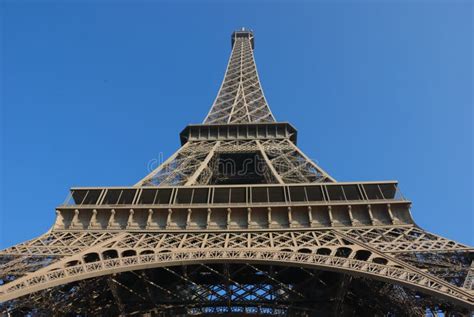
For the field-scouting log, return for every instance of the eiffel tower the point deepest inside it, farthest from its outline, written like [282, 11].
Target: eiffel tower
[239, 221]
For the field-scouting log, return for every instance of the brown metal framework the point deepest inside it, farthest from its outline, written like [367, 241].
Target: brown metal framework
[238, 221]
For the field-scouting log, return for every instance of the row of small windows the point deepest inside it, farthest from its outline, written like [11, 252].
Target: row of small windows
[234, 195]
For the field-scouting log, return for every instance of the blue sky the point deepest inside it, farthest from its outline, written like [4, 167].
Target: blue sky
[91, 91]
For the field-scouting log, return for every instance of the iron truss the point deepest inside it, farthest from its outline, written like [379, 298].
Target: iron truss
[231, 289]
[280, 162]
[240, 98]
[238, 221]
[404, 256]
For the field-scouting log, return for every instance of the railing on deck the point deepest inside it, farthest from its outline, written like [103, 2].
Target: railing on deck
[235, 194]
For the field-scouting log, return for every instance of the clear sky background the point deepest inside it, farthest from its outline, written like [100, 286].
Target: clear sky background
[91, 91]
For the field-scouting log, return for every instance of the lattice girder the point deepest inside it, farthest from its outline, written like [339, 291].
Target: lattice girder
[334, 250]
[285, 161]
[240, 98]
[269, 290]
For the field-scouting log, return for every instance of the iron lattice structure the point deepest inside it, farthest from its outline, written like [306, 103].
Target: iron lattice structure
[238, 221]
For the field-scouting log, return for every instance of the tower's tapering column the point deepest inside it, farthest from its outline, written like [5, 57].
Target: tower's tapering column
[240, 98]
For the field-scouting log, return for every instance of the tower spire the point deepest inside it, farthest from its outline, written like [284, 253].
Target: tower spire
[240, 98]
